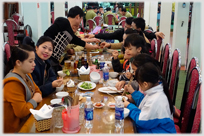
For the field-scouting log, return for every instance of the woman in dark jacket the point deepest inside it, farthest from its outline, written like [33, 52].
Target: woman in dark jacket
[43, 74]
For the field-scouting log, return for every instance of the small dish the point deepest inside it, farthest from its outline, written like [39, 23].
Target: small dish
[116, 97]
[61, 94]
[56, 101]
[101, 106]
[59, 88]
[126, 112]
[111, 105]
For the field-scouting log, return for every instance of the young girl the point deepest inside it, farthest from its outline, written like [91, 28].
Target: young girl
[153, 112]
[20, 91]
[43, 75]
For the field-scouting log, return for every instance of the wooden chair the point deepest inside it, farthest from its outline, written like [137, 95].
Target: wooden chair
[166, 60]
[11, 24]
[97, 19]
[154, 47]
[187, 114]
[91, 23]
[173, 75]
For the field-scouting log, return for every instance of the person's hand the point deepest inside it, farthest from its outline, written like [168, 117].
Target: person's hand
[105, 44]
[159, 34]
[126, 103]
[130, 99]
[115, 54]
[120, 85]
[128, 88]
[89, 36]
[37, 97]
[70, 51]
[57, 83]
[94, 40]
[92, 47]
[128, 75]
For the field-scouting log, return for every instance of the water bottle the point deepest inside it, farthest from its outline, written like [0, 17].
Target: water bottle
[119, 113]
[105, 75]
[88, 113]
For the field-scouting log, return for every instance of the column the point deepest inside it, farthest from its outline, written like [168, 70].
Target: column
[146, 12]
[180, 29]
[45, 16]
[195, 37]
[153, 15]
[165, 20]
[59, 9]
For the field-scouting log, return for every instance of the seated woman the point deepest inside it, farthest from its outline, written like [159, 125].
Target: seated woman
[20, 91]
[43, 75]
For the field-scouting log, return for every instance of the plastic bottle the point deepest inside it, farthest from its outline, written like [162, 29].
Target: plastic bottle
[88, 113]
[105, 75]
[119, 113]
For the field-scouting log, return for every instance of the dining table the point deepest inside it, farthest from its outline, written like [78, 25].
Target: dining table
[103, 118]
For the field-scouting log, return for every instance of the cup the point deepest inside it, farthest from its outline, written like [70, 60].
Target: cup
[67, 64]
[57, 117]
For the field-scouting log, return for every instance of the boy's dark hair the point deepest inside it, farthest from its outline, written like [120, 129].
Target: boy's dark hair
[130, 31]
[123, 9]
[129, 20]
[89, 7]
[139, 22]
[100, 7]
[134, 40]
[74, 11]
[108, 9]
[120, 6]
[150, 73]
[43, 39]
[95, 7]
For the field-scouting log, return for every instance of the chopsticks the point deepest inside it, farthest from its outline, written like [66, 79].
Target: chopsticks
[131, 79]
[115, 90]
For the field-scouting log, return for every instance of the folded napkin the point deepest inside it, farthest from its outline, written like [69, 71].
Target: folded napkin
[44, 113]
[83, 70]
[70, 83]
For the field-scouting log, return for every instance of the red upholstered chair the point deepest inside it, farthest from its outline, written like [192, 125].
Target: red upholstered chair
[16, 17]
[173, 75]
[110, 18]
[7, 51]
[91, 23]
[158, 44]
[11, 26]
[123, 18]
[138, 14]
[166, 60]
[154, 47]
[121, 23]
[97, 19]
[53, 18]
[197, 118]
[184, 124]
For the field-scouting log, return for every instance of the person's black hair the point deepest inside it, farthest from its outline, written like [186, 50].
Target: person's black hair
[139, 22]
[95, 7]
[135, 40]
[108, 9]
[129, 20]
[130, 31]
[120, 6]
[74, 11]
[43, 39]
[150, 73]
[18, 53]
[89, 7]
[143, 58]
[100, 7]
[28, 40]
[123, 9]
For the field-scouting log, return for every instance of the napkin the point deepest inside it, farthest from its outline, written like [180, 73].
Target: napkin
[83, 70]
[70, 83]
[44, 113]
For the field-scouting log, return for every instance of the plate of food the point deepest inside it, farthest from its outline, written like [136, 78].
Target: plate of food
[86, 85]
[98, 105]
[111, 105]
[110, 90]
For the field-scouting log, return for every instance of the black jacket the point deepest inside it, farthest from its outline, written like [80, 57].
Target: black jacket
[44, 84]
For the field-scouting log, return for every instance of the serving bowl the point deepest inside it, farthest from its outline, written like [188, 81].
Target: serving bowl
[61, 94]
[113, 74]
[95, 77]
[60, 88]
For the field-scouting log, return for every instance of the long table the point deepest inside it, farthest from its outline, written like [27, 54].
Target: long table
[103, 120]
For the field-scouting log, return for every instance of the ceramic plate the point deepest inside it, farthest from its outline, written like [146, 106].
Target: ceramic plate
[102, 105]
[93, 85]
[111, 105]
[109, 90]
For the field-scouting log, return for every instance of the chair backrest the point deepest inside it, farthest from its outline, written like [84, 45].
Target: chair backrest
[53, 18]
[121, 23]
[173, 75]
[16, 17]
[166, 60]
[197, 118]
[159, 43]
[193, 84]
[123, 18]
[138, 14]
[7, 51]
[11, 26]
[154, 47]
[97, 19]
[28, 31]
[110, 18]
[91, 23]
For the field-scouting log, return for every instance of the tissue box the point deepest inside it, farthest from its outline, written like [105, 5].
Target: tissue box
[42, 125]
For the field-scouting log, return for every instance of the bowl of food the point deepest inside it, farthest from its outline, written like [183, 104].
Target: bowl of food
[58, 89]
[119, 97]
[61, 94]
[61, 73]
[113, 74]
[111, 105]
[112, 82]
[98, 105]
[56, 101]
[95, 77]
[126, 112]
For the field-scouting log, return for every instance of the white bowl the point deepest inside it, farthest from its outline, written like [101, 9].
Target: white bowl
[56, 101]
[60, 88]
[113, 82]
[95, 77]
[116, 97]
[61, 94]
[61, 73]
[126, 112]
[113, 74]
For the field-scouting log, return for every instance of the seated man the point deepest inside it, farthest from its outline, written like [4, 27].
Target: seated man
[90, 14]
[125, 13]
[105, 18]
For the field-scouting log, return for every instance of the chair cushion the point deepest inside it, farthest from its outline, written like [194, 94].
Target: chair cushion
[178, 130]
